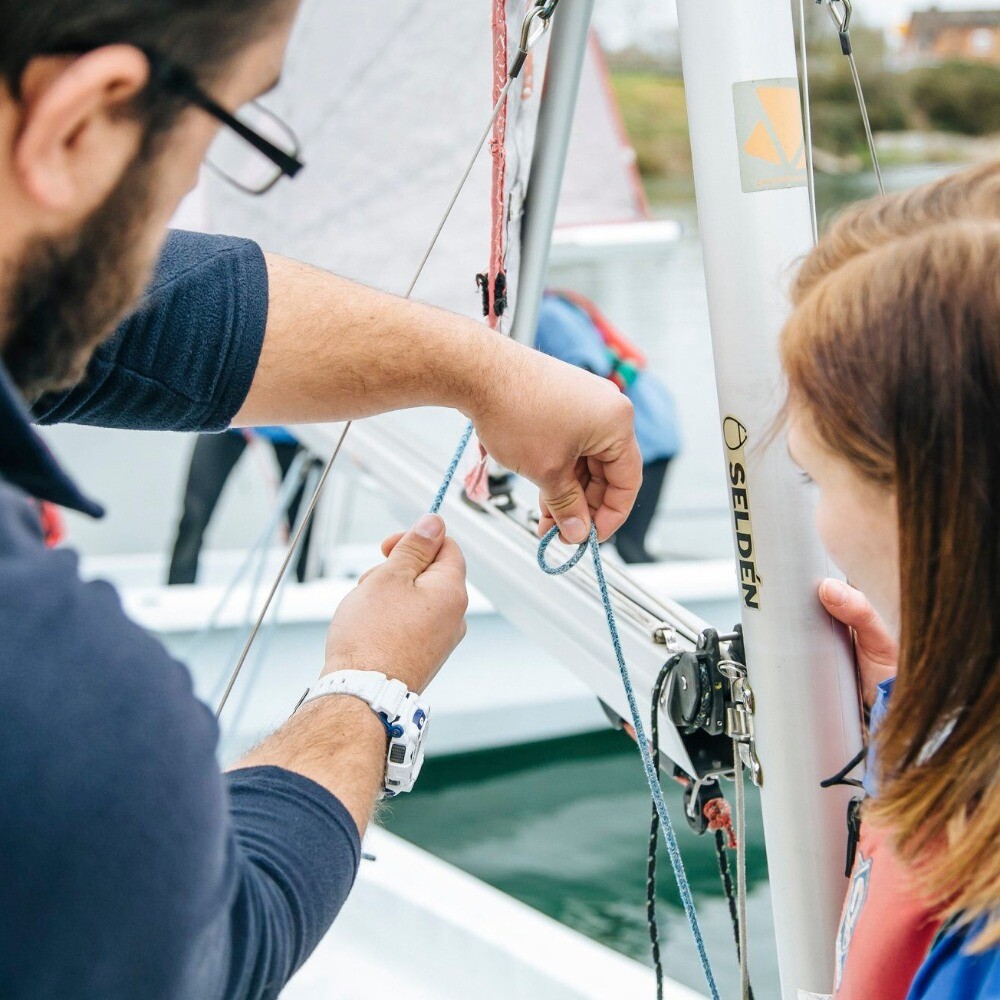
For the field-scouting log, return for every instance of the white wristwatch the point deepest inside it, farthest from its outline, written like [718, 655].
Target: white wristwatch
[401, 711]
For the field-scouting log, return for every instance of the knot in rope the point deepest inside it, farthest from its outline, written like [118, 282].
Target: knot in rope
[719, 816]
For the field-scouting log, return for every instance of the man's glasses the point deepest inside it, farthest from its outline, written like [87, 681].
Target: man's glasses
[253, 150]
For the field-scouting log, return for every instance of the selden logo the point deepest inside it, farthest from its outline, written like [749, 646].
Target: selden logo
[769, 131]
[735, 436]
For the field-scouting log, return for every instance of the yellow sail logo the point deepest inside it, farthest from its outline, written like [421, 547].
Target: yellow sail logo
[772, 150]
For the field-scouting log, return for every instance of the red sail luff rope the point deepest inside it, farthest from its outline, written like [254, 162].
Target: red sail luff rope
[476, 483]
[498, 147]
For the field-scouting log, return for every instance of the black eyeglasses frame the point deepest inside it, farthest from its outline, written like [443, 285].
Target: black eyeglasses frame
[178, 81]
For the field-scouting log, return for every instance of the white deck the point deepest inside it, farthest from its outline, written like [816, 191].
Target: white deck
[408, 910]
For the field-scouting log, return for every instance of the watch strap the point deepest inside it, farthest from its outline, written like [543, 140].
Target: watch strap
[385, 695]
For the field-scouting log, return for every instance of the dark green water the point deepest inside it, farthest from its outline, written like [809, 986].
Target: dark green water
[562, 826]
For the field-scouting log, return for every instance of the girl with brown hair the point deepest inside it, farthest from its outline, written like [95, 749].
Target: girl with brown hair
[892, 355]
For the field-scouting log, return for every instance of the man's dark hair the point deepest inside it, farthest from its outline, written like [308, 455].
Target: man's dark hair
[202, 36]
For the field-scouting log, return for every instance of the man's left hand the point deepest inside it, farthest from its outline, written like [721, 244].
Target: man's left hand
[569, 432]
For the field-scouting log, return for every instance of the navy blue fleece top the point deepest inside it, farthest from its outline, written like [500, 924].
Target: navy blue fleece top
[129, 867]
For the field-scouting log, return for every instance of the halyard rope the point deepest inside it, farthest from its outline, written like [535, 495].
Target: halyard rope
[669, 837]
[652, 779]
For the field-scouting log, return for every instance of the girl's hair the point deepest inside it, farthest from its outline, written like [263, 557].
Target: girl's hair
[893, 352]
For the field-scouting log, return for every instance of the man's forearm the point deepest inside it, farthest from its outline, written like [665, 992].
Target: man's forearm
[337, 350]
[340, 744]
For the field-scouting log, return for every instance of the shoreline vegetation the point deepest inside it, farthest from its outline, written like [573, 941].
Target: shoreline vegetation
[947, 113]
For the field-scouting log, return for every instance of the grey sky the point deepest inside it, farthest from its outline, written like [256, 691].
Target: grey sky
[893, 12]
[619, 21]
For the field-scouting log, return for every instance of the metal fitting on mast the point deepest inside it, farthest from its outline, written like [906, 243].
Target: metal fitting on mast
[536, 22]
[707, 696]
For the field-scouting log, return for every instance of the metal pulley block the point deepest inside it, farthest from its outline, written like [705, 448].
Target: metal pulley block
[695, 693]
[707, 692]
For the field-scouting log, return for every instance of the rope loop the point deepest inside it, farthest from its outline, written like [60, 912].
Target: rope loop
[543, 564]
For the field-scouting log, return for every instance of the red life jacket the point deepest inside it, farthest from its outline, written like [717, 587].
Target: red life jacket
[53, 525]
[886, 928]
[627, 360]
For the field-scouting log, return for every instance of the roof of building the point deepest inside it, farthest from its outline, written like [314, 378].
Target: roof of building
[926, 25]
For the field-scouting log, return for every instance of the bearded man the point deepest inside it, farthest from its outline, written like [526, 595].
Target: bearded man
[129, 866]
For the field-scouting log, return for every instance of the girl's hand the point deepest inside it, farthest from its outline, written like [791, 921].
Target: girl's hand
[877, 651]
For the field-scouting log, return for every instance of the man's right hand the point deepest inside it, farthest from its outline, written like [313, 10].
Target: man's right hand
[406, 616]
[403, 619]
[877, 651]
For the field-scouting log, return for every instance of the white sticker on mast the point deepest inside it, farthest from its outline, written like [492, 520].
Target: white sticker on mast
[740, 78]
[769, 133]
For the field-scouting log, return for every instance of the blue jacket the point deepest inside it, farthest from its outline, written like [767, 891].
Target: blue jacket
[952, 972]
[129, 866]
[566, 332]
[276, 435]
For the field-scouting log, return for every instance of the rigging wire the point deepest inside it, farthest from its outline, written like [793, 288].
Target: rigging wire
[257, 551]
[270, 627]
[461, 185]
[841, 12]
[289, 553]
[722, 858]
[540, 12]
[807, 123]
[741, 873]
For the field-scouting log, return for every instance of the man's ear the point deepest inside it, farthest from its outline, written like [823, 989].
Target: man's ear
[74, 143]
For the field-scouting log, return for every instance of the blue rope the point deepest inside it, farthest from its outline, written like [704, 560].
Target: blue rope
[652, 778]
[453, 468]
[673, 849]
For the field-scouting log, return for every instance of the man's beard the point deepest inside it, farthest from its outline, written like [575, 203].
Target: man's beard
[70, 292]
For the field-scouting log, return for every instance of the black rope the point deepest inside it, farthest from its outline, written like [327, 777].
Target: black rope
[840, 778]
[721, 854]
[654, 833]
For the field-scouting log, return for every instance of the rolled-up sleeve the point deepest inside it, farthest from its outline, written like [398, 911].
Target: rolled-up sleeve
[185, 359]
[297, 852]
